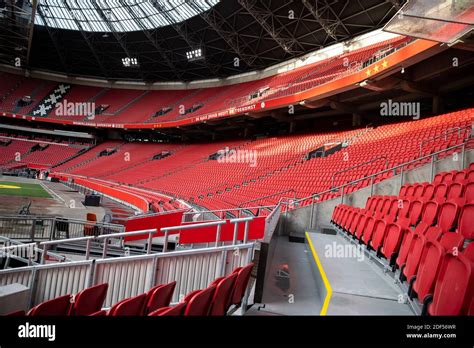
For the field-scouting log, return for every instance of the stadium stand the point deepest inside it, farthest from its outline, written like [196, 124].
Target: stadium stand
[430, 243]
[216, 300]
[282, 166]
[128, 106]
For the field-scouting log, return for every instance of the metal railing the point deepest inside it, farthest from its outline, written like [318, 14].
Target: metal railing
[394, 169]
[373, 160]
[41, 228]
[268, 196]
[445, 135]
[131, 275]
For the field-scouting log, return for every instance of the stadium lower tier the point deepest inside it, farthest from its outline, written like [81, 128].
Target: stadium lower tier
[424, 235]
[257, 172]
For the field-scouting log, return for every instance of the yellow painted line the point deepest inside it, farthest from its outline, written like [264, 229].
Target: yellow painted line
[323, 275]
[8, 187]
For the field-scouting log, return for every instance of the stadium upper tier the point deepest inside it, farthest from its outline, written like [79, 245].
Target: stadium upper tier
[261, 171]
[65, 103]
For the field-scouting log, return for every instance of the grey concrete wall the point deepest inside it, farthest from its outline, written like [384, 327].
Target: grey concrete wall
[298, 220]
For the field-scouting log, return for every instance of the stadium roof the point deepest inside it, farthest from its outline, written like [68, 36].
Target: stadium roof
[116, 15]
[177, 40]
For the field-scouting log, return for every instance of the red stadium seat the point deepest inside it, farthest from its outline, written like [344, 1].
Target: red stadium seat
[55, 307]
[418, 244]
[159, 297]
[129, 307]
[89, 300]
[453, 291]
[175, 311]
[466, 222]
[200, 303]
[224, 289]
[241, 283]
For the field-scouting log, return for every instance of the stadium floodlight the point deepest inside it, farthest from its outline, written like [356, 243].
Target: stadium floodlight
[130, 62]
[195, 54]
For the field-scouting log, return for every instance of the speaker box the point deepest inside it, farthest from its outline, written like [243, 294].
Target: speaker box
[92, 200]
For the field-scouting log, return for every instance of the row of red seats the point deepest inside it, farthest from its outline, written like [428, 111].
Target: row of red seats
[215, 300]
[424, 239]
[129, 105]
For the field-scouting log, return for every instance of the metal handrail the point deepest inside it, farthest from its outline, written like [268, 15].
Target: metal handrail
[381, 172]
[267, 196]
[218, 225]
[357, 166]
[445, 134]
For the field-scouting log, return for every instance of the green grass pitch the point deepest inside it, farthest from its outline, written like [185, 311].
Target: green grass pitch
[21, 189]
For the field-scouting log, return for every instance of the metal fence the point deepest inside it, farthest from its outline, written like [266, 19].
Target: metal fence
[41, 228]
[132, 275]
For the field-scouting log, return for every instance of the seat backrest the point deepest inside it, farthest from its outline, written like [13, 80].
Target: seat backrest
[452, 286]
[416, 208]
[174, 311]
[459, 176]
[455, 190]
[129, 307]
[418, 192]
[222, 294]
[438, 178]
[89, 300]
[448, 215]
[368, 230]
[440, 191]
[428, 192]
[159, 297]
[469, 192]
[410, 190]
[361, 225]
[430, 212]
[402, 192]
[413, 259]
[379, 234]
[428, 269]
[466, 221]
[393, 239]
[200, 303]
[241, 284]
[55, 307]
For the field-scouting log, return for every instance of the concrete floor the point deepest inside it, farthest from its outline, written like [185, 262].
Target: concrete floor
[359, 286]
[290, 287]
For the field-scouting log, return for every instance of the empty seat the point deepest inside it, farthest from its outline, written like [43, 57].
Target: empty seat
[173, 311]
[432, 257]
[55, 307]
[418, 243]
[129, 307]
[199, 304]
[453, 290]
[378, 235]
[241, 283]
[89, 300]
[392, 242]
[466, 222]
[448, 216]
[222, 294]
[159, 297]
